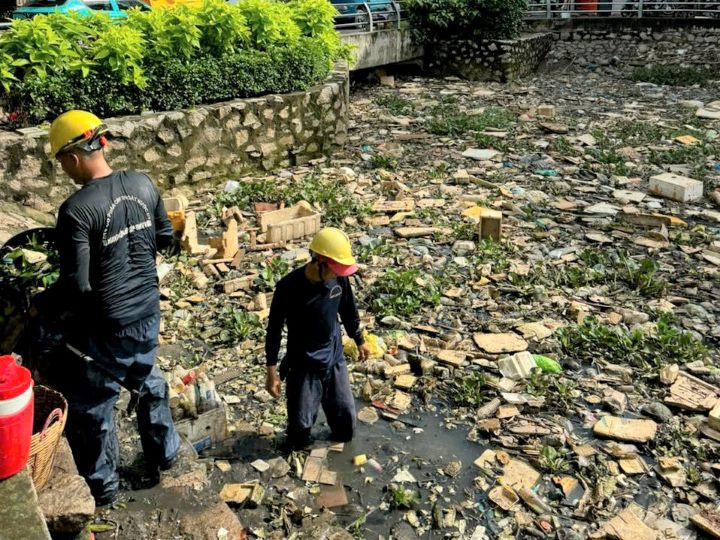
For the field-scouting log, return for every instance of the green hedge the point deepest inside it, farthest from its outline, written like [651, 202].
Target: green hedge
[465, 19]
[165, 59]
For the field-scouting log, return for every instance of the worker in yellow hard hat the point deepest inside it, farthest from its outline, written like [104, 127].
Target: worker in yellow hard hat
[107, 235]
[309, 301]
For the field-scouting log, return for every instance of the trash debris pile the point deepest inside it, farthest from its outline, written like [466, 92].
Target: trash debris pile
[540, 267]
[28, 264]
[191, 393]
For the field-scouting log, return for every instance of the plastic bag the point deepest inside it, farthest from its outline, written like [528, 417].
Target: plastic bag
[377, 347]
[548, 365]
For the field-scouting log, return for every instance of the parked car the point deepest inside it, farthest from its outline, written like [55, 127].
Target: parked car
[114, 8]
[354, 14]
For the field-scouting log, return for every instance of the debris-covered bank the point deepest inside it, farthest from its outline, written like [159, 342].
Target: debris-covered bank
[541, 296]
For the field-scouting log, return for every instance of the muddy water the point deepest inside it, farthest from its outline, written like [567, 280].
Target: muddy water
[424, 451]
[423, 448]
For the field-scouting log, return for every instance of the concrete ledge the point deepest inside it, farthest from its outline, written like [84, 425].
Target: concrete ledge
[20, 515]
[382, 48]
[66, 501]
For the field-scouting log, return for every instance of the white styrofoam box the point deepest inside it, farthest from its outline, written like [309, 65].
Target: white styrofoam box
[675, 187]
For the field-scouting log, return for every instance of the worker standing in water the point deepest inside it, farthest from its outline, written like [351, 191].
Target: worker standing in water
[309, 301]
[107, 235]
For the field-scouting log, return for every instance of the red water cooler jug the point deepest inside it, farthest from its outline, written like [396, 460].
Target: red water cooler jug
[16, 416]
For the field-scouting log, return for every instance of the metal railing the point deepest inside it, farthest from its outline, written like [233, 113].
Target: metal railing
[368, 16]
[573, 9]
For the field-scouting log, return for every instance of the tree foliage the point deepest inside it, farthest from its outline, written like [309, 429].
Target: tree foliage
[465, 19]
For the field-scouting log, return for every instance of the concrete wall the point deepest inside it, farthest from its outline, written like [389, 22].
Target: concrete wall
[485, 60]
[628, 43]
[382, 48]
[179, 147]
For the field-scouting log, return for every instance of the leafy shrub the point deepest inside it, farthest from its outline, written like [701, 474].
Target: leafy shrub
[403, 293]
[178, 84]
[238, 325]
[36, 99]
[120, 48]
[271, 23]
[465, 19]
[171, 33]
[673, 75]
[165, 58]
[223, 29]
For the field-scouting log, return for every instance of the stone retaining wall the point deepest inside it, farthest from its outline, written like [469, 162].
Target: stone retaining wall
[189, 146]
[628, 43]
[481, 60]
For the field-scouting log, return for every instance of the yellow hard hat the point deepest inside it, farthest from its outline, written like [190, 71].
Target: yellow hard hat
[333, 244]
[76, 129]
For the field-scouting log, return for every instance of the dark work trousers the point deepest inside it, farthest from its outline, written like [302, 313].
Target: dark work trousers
[307, 389]
[91, 394]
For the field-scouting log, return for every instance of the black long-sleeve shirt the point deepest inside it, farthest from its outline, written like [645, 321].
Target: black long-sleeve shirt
[108, 234]
[311, 311]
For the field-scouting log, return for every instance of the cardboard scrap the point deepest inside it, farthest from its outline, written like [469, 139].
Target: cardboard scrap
[237, 284]
[486, 460]
[394, 371]
[227, 243]
[189, 239]
[633, 465]
[687, 139]
[671, 470]
[689, 392]
[401, 401]
[313, 469]
[390, 207]
[327, 477]
[627, 525]
[319, 453]
[625, 429]
[504, 496]
[332, 497]
[500, 343]
[415, 232]
[249, 494]
[236, 493]
[708, 522]
[519, 475]
[452, 358]
[713, 419]
[405, 382]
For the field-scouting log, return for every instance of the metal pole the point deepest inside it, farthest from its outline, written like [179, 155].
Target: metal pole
[548, 9]
[370, 17]
[640, 8]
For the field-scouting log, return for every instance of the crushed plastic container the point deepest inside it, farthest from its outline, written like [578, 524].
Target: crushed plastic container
[518, 366]
[16, 416]
[231, 185]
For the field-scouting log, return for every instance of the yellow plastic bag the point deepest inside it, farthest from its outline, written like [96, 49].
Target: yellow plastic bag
[375, 344]
[350, 349]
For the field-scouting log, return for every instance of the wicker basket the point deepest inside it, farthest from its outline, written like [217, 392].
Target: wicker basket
[48, 426]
